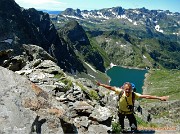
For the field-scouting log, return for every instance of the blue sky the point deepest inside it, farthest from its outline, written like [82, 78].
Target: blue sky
[172, 5]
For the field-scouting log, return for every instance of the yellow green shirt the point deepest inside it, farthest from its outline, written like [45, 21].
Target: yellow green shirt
[122, 102]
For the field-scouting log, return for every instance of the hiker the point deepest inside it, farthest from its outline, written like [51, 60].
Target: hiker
[126, 103]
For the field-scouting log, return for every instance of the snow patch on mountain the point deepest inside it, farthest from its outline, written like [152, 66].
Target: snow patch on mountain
[8, 41]
[157, 28]
[135, 23]
[90, 67]
[75, 17]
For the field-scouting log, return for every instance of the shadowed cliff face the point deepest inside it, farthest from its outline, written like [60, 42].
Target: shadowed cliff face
[75, 36]
[20, 26]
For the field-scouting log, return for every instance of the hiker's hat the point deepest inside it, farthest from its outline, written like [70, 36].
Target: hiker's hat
[133, 85]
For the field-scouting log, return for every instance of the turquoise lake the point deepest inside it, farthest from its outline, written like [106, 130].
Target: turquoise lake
[119, 75]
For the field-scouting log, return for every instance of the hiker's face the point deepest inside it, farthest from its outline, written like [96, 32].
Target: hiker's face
[127, 88]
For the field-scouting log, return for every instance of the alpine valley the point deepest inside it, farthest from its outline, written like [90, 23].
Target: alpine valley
[49, 63]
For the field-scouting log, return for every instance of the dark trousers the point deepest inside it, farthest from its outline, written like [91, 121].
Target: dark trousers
[130, 117]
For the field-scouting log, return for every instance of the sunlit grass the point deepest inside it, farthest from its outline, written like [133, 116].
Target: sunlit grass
[164, 82]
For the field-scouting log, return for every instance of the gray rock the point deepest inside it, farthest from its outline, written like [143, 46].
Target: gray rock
[98, 129]
[36, 52]
[25, 108]
[101, 114]
[81, 121]
[16, 63]
[82, 105]
[14, 118]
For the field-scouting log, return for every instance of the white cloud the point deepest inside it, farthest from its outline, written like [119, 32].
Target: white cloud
[42, 4]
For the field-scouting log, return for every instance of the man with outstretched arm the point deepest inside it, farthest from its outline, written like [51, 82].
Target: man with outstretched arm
[126, 103]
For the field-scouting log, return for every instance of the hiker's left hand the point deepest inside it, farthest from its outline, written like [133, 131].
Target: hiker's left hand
[164, 98]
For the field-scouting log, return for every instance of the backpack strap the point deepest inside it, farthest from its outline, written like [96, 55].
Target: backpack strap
[119, 97]
[120, 94]
[133, 98]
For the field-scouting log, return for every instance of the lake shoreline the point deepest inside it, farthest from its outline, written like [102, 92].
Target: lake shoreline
[146, 83]
[128, 67]
[120, 74]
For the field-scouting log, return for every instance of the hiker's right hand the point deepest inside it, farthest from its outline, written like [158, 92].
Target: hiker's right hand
[98, 83]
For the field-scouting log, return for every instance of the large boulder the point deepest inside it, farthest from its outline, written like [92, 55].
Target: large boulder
[14, 118]
[25, 107]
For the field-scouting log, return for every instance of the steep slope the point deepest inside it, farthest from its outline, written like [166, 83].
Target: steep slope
[130, 50]
[75, 35]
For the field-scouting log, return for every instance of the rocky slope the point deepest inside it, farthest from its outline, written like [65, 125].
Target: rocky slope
[41, 98]
[46, 100]
[75, 36]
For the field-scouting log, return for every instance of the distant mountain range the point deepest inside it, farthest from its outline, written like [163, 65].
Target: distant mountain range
[149, 33]
[115, 18]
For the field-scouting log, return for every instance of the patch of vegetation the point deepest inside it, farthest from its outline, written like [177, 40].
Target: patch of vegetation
[116, 127]
[142, 123]
[161, 114]
[68, 83]
[81, 86]
[93, 94]
[59, 75]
